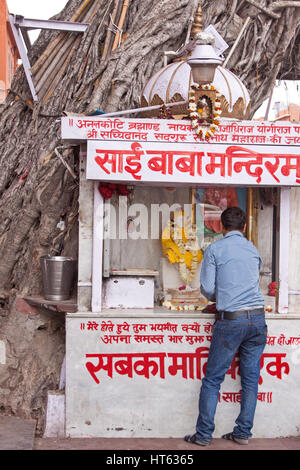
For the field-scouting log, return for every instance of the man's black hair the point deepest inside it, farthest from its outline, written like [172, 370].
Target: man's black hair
[233, 218]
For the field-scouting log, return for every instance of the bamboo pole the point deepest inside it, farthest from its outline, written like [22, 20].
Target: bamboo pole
[61, 40]
[255, 217]
[109, 32]
[53, 45]
[121, 23]
[108, 37]
[57, 75]
[58, 72]
[80, 10]
[82, 71]
[252, 215]
[36, 75]
[249, 213]
[54, 67]
[193, 202]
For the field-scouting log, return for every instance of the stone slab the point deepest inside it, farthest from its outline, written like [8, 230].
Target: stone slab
[16, 433]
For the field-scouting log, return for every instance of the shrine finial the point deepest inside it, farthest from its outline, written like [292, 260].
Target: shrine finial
[197, 24]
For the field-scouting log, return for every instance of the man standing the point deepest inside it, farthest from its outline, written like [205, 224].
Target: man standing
[230, 276]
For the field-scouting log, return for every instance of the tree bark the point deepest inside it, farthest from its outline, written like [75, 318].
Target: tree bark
[37, 191]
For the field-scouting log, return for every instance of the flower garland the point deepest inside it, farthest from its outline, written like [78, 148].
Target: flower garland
[171, 306]
[197, 119]
[191, 245]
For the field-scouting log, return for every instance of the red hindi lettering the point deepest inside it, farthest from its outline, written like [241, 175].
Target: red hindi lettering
[285, 170]
[185, 358]
[275, 368]
[139, 327]
[123, 326]
[281, 339]
[107, 326]
[211, 167]
[92, 325]
[144, 366]
[124, 366]
[80, 123]
[110, 158]
[159, 163]
[271, 340]
[272, 168]
[187, 363]
[275, 139]
[208, 327]
[116, 123]
[186, 164]
[194, 339]
[236, 152]
[175, 339]
[194, 327]
[92, 134]
[233, 397]
[133, 161]
[92, 368]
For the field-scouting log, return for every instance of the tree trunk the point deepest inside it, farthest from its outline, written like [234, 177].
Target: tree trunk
[79, 74]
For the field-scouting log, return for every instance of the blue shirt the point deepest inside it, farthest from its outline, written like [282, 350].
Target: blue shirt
[230, 273]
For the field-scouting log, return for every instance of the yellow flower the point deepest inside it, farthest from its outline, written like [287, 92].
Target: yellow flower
[172, 251]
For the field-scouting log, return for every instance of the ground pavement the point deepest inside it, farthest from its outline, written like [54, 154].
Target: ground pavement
[19, 434]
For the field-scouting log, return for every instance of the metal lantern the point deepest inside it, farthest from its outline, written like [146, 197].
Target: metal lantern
[203, 59]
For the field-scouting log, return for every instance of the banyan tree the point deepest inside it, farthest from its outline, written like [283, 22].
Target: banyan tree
[105, 68]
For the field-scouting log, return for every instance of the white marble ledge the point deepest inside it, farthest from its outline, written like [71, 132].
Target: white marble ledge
[161, 312]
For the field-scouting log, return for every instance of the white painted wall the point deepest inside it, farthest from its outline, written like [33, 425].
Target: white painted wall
[121, 406]
[294, 251]
[86, 199]
[2, 352]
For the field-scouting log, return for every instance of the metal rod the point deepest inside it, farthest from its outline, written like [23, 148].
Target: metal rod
[147, 108]
[23, 55]
[29, 24]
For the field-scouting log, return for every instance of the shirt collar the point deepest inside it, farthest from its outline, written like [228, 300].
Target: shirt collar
[233, 232]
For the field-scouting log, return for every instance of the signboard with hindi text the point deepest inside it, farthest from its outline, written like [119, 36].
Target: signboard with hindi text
[134, 376]
[168, 151]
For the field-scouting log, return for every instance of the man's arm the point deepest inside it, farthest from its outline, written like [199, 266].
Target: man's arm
[208, 275]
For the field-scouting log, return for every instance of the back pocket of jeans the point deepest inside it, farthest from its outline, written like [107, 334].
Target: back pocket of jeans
[261, 335]
[232, 336]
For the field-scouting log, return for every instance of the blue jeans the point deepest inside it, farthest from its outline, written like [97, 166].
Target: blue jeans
[248, 337]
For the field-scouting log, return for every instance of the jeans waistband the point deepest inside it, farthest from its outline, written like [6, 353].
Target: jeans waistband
[240, 314]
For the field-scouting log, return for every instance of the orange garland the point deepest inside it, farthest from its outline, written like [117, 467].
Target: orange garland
[204, 132]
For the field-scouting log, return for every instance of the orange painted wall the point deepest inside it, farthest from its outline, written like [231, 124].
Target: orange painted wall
[8, 52]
